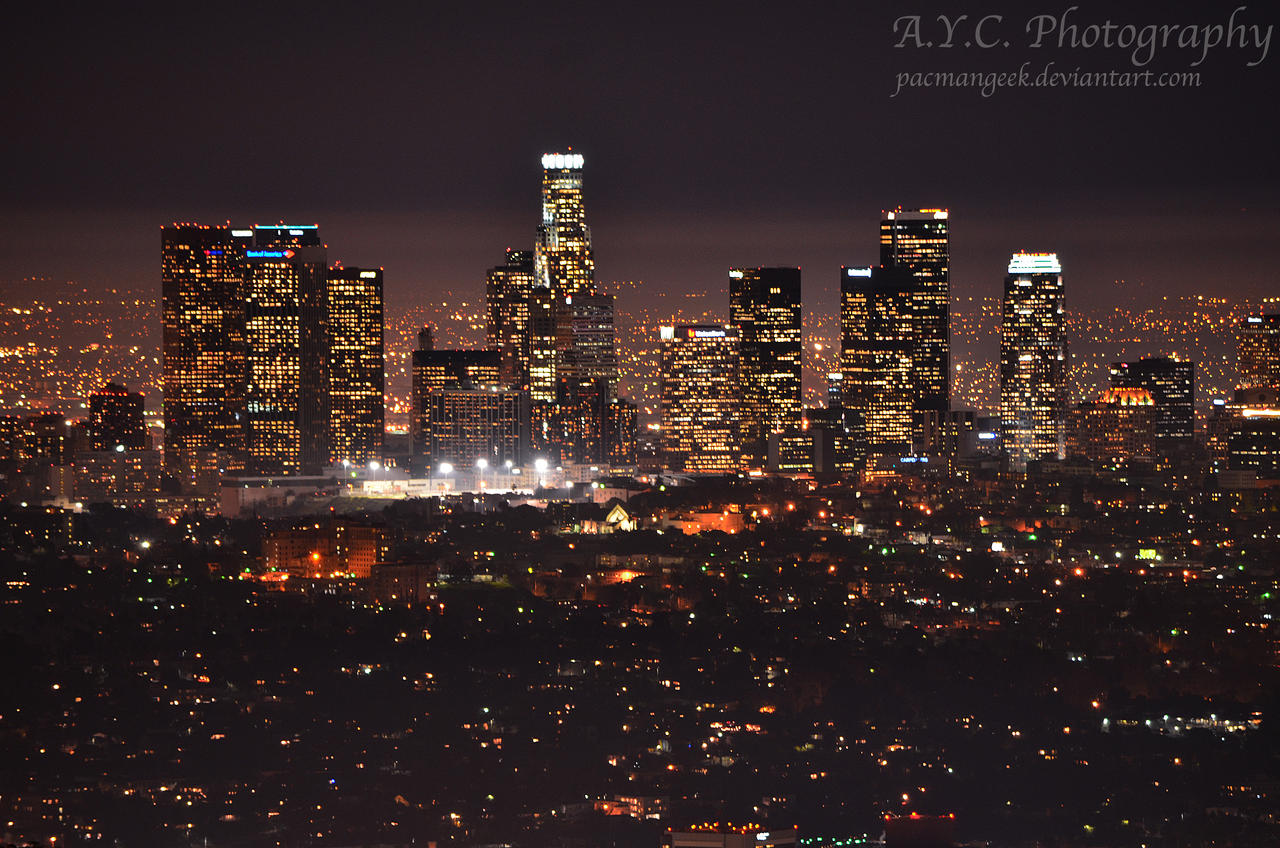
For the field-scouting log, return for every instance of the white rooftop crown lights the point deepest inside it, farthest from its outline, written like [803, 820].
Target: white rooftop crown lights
[1035, 263]
[561, 160]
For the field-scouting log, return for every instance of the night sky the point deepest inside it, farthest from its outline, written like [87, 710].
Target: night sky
[717, 136]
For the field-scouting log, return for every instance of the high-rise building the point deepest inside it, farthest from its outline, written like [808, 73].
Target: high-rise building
[701, 397]
[507, 291]
[356, 367]
[1033, 359]
[434, 370]
[919, 240]
[563, 261]
[1258, 352]
[1171, 384]
[115, 419]
[568, 359]
[203, 292]
[464, 425]
[1115, 428]
[285, 336]
[764, 306]
[877, 338]
[585, 341]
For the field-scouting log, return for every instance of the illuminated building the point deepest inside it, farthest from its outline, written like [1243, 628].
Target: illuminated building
[1258, 352]
[586, 368]
[1119, 426]
[764, 306]
[811, 448]
[876, 344]
[115, 419]
[585, 340]
[329, 548]
[203, 293]
[544, 321]
[1033, 359]
[48, 439]
[507, 291]
[440, 369]
[568, 360]
[123, 477]
[286, 401]
[1253, 432]
[356, 367]
[1171, 384]
[701, 397]
[573, 429]
[563, 260]
[947, 436]
[464, 425]
[919, 240]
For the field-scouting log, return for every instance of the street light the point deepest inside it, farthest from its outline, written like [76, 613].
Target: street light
[540, 465]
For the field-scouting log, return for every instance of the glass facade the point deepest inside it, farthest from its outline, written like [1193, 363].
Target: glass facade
[701, 397]
[765, 307]
[1033, 359]
[877, 341]
[919, 240]
[356, 370]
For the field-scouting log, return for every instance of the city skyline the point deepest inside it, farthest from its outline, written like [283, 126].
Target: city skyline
[649, 426]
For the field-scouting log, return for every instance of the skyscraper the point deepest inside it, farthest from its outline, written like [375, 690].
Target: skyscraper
[563, 261]
[115, 419]
[356, 368]
[571, 360]
[507, 291]
[467, 424]
[701, 397]
[877, 342]
[1033, 358]
[1171, 384]
[919, 240]
[1258, 352]
[285, 335]
[434, 370]
[203, 292]
[764, 306]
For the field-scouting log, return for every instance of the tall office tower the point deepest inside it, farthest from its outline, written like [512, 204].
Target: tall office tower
[285, 335]
[544, 319]
[464, 425]
[434, 370]
[1171, 384]
[701, 397]
[1033, 359]
[877, 341]
[507, 291]
[203, 293]
[562, 252]
[585, 341]
[919, 240]
[356, 368]
[764, 306]
[1258, 352]
[115, 419]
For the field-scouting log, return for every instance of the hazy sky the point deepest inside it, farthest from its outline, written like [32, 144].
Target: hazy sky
[722, 135]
